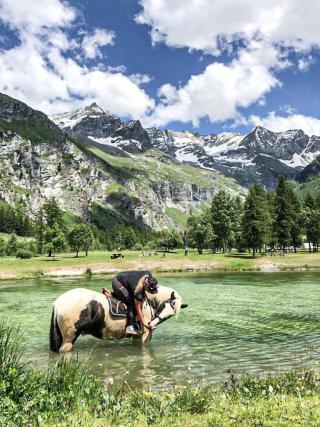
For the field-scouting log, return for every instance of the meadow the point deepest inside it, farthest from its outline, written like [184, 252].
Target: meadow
[99, 262]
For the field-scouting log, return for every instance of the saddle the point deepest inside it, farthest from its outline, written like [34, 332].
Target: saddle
[117, 308]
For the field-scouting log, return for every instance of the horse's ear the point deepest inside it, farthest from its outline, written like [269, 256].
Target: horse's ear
[173, 295]
[184, 305]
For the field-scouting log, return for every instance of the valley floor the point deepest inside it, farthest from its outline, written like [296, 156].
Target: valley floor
[99, 262]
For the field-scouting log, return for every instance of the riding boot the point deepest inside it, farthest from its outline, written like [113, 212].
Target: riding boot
[132, 328]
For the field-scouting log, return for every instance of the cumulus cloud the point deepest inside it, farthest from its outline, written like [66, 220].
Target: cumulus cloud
[310, 125]
[91, 43]
[45, 70]
[220, 90]
[210, 25]
[257, 36]
[33, 16]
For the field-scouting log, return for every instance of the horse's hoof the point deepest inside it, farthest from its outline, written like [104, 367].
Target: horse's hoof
[65, 348]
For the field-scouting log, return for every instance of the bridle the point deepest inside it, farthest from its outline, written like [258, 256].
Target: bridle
[157, 316]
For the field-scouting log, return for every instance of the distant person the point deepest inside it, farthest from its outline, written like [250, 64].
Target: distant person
[186, 250]
[130, 287]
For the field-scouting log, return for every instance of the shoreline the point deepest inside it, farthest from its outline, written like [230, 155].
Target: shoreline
[207, 263]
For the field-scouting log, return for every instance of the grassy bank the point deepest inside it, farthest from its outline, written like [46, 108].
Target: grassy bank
[99, 262]
[66, 395]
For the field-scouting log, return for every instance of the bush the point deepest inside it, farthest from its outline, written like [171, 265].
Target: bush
[12, 245]
[3, 246]
[23, 254]
[137, 247]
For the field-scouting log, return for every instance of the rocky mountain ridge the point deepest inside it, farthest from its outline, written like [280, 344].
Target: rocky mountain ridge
[260, 156]
[141, 185]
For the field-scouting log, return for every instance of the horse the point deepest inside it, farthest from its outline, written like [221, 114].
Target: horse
[82, 311]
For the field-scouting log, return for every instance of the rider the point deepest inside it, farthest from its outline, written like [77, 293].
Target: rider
[130, 287]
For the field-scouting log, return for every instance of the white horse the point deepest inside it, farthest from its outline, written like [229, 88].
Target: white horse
[82, 311]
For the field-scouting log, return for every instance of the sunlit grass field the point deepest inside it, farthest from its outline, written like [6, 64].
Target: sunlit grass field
[100, 262]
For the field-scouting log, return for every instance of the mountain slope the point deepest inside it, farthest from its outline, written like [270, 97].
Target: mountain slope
[140, 184]
[261, 156]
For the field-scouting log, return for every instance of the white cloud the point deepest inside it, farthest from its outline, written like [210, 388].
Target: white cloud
[210, 25]
[305, 63]
[310, 125]
[33, 16]
[91, 43]
[220, 90]
[44, 72]
[259, 34]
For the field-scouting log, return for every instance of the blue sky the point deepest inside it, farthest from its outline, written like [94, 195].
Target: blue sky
[200, 65]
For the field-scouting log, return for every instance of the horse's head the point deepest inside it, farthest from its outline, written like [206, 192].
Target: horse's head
[168, 308]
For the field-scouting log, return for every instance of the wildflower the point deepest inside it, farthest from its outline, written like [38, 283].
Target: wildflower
[108, 381]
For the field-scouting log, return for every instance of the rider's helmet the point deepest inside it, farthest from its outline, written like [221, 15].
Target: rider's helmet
[152, 285]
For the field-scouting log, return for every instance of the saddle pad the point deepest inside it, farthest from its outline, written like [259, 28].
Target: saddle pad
[116, 307]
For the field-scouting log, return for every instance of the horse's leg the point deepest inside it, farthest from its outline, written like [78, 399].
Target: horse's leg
[69, 335]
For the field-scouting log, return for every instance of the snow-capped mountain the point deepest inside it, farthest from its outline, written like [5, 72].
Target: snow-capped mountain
[260, 156]
[103, 128]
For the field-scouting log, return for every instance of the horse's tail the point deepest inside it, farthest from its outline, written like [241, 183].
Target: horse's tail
[55, 333]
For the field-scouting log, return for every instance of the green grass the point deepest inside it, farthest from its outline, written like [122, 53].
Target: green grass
[177, 216]
[35, 130]
[100, 262]
[148, 165]
[65, 394]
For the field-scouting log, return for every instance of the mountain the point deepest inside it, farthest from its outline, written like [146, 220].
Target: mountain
[309, 172]
[95, 159]
[102, 127]
[260, 156]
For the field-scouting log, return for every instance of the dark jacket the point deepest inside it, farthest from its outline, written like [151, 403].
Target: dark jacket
[130, 280]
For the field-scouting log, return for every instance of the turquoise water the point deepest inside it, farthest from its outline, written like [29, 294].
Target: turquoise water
[248, 322]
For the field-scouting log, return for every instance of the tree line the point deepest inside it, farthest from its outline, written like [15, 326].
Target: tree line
[264, 219]
[52, 235]
[274, 219]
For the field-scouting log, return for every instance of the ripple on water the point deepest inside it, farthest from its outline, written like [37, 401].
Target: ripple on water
[247, 322]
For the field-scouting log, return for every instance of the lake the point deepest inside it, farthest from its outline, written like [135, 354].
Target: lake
[247, 322]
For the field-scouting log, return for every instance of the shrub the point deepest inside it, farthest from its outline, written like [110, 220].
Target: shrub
[23, 254]
[2, 246]
[12, 245]
[137, 247]
[88, 273]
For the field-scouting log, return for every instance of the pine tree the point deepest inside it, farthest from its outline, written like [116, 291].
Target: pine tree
[256, 218]
[296, 220]
[311, 219]
[282, 213]
[221, 218]
[235, 239]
